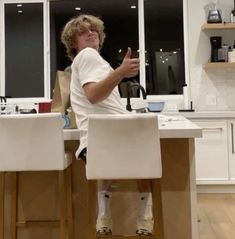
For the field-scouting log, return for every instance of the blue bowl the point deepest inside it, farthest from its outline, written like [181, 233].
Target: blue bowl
[156, 106]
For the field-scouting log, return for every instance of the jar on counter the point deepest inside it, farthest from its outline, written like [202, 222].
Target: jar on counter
[231, 55]
[66, 121]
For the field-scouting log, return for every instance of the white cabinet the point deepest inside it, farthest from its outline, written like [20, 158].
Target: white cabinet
[211, 152]
[231, 149]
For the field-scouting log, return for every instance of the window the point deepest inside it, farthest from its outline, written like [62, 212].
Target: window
[153, 29]
[164, 44]
[25, 65]
[121, 27]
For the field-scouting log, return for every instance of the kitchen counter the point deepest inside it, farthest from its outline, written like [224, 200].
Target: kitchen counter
[177, 187]
[204, 114]
[176, 194]
[169, 127]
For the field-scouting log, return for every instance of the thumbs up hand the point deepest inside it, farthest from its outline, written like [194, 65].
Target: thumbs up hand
[128, 53]
[130, 66]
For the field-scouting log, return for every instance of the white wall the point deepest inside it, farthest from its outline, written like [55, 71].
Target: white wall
[218, 82]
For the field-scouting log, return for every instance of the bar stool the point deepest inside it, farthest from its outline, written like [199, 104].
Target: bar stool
[1, 205]
[34, 142]
[124, 146]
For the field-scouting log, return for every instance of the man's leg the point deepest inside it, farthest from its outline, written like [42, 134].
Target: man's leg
[104, 220]
[145, 219]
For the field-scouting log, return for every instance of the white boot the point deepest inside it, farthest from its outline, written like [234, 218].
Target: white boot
[145, 220]
[104, 220]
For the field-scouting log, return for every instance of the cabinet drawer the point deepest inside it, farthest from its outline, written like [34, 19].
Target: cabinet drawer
[211, 151]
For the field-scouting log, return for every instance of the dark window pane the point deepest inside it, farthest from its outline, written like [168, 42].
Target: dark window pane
[121, 27]
[24, 50]
[165, 47]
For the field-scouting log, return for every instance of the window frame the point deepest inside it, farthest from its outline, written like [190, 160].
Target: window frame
[184, 98]
[46, 50]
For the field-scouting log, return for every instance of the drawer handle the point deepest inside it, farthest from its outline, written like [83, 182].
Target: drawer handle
[232, 138]
[218, 129]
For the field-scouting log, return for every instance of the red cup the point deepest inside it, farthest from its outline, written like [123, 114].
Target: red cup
[44, 107]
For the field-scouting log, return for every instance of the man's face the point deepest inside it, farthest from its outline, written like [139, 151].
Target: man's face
[89, 38]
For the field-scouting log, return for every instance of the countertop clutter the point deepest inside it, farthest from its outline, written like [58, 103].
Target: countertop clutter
[170, 126]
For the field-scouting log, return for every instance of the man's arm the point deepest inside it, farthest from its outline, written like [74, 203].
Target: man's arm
[99, 91]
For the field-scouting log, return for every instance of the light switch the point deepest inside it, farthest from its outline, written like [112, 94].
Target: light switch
[211, 100]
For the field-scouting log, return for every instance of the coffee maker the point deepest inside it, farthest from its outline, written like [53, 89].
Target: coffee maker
[216, 44]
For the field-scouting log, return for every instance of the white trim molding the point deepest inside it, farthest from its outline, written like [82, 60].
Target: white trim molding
[186, 92]
[2, 50]
[46, 44]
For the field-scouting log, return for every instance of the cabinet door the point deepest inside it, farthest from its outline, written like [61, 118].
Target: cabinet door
[211, 151]
[231, 149]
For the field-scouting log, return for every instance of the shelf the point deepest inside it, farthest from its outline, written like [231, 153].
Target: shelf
[218, 26]
[214, 65]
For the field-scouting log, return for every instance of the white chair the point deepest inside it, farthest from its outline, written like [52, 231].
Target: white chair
[1, 205]
[123, 146]
[34, 142]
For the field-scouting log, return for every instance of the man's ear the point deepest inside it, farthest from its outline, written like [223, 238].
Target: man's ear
[75, 45]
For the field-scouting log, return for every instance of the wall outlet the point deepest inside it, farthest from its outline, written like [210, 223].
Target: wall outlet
[211, 100]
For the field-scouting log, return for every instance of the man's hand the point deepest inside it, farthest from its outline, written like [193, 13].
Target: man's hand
[99, 91]
[130, 66]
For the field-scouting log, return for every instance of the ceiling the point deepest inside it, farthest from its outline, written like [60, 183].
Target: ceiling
[157, 8]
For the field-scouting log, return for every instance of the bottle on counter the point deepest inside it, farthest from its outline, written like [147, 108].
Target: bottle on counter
[231, 55]
[232, 15]
[225, 48]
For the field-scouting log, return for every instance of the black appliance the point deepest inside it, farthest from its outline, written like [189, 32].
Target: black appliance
[216, 43]
[214, 14]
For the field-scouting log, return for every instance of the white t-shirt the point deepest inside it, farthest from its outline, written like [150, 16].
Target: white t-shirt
[89, 66]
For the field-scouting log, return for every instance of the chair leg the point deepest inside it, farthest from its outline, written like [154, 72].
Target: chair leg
[91, 207]
[14, 203]
[62, 204]
[2, 205]
[157, 209]
[69, 202]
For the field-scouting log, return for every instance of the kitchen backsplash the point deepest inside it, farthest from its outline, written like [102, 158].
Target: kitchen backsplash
[210, 84]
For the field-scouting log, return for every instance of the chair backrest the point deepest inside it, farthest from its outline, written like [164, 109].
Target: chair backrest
[32, 142]
[123, 146]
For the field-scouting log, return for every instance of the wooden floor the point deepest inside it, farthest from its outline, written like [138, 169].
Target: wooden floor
[216, 216]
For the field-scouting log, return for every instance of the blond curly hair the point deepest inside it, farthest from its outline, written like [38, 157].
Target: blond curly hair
[78, 25]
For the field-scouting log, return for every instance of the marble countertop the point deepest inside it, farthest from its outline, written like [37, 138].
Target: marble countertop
[204, 114]
[170, 126]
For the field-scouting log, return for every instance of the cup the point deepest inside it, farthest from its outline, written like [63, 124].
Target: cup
[44, 107]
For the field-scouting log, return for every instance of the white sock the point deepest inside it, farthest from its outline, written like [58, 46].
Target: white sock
[103, 203]
[146, 205]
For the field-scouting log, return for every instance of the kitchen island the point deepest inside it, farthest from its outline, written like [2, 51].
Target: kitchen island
[176, 207]
[177, 186]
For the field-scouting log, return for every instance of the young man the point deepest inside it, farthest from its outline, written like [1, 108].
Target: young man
[94, 89]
